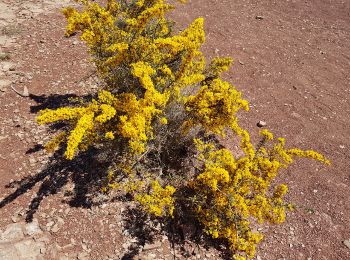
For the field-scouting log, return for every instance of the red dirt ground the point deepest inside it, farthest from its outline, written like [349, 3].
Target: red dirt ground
[292, 62]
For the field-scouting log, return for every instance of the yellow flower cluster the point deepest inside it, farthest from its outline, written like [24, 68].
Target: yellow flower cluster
[55, 142]
[229, 191]
[159, 202]
[215, 106]
[85, 124]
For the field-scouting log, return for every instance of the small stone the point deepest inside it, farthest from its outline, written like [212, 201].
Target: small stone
[83, 256]
[126, 245]
[50, 223]
[347, 243]
[4, 84]
[32, 161]
[14, 219]
[261, 124]
[33, 228]
[60, 221]
[294, 114]
[25, 92]
[240, 62]
[55, 228]
[75, 42]
[342, 146]
[4, 56]
[259, 17]
[152, 246]
[84, 246]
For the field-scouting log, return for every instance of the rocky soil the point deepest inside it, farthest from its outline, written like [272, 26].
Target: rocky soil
[292, 64]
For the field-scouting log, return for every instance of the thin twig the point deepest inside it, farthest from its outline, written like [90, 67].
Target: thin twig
[86, 77]
[19, 93]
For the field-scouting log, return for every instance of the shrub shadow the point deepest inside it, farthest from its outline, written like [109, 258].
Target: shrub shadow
[55, 101]
[87, 179]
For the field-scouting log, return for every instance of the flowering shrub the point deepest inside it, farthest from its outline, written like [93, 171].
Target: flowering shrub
[160, 106]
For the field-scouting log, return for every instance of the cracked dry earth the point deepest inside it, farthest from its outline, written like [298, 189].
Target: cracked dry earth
[292, 64]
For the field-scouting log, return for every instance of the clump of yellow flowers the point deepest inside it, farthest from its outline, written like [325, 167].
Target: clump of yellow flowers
[158, 96]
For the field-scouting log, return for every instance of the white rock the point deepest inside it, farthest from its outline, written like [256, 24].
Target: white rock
[261, 124]
[55, 228]
[29, 249]
[25, 92]
[12, 232]
[32, 228]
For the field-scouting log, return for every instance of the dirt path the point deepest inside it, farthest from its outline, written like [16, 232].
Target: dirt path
[292, 64]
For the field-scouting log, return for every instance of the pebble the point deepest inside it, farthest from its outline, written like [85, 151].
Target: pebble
[4, 56]
[55, 228]
[25, 92]
[294, 114]
[126, 245]
[32, 228]
[152, 246]
[347, 243]
[261, 124]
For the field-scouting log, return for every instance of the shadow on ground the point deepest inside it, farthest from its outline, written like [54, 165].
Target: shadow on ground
[56, 175]
[87, 172]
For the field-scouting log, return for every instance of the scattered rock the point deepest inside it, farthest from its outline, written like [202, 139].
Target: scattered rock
[33, 228]
[14, 219]
[4, 56]
[25, 91]
[83, 256]
[259, 17]
[152, 246]
[294, 114]
[55, 228]
[261, 124]
[4, 84]
[347, 243]
[8, 66]
[126, 245]
[12, 232]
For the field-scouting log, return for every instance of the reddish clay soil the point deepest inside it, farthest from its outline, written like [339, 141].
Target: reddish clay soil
[292, 62]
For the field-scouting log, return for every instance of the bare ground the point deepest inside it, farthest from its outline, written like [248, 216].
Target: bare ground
[292, 64]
